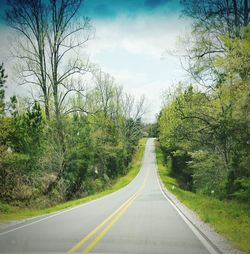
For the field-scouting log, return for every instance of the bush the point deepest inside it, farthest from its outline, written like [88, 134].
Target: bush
[179, 169]
[209, 173]
[243, 192]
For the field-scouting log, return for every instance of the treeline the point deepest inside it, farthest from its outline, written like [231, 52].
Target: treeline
[204, 127]
[36, 169]
[78, 131]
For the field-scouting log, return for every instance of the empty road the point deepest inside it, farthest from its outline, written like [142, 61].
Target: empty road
[136, 219]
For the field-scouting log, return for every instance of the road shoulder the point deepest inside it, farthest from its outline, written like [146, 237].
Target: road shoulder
[219, 243]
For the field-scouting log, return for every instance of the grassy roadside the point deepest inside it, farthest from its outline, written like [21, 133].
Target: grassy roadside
[229, 218]
[12, 213]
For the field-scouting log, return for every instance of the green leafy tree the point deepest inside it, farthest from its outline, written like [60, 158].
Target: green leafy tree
[80, 157]
[28, 128]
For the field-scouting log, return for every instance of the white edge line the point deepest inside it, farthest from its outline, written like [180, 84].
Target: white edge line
[203, 240]
[50, 216]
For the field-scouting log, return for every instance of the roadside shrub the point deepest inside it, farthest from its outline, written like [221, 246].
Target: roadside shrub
[209, 173]
[179, 169]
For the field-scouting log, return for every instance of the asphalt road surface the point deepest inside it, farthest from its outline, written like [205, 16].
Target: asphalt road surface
[136, 219]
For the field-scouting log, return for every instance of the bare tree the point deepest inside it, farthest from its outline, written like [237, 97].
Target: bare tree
[221, 17]
[29, 19]
[51, 36]
[66, 33]
[133, 112]
[105, 91]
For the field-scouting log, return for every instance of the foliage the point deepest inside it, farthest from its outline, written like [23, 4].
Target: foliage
[209, 173]
[37, 169]
[27, 128]
[224, 216]
[204, 127]
[205, 138]
[150, 130]
[69, 140]
[8, 212]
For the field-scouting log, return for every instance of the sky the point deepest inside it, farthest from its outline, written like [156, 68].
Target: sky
[132, 42]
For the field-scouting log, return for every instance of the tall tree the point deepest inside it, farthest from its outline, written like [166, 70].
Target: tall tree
[29, 18]
[66, 33]
[51, 33]
[3, 77]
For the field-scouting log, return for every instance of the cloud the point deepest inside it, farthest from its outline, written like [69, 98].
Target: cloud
[145, 34]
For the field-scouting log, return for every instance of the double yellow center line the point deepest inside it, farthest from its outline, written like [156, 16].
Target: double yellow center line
[110, 221]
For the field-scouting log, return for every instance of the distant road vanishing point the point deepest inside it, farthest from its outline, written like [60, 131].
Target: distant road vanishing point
[136, 219]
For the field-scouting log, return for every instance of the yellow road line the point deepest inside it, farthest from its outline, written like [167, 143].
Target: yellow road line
[86, 238]
[105, 230]
[120, 210]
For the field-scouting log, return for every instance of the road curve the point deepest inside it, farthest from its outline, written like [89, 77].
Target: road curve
[136, 219]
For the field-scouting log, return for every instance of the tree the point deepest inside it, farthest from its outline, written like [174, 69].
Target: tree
[30, 19]
[212, 21]
[5, 124]
[133, 112]
[87, 136]
[204, 132]
[3, 78]
[51, 33]
[218, 17]
[28, 130]
[64, 37]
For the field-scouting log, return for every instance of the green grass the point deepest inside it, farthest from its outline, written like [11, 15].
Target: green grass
[229, 218]
[13, 213]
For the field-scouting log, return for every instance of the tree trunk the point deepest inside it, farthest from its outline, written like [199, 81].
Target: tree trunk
[236, 18]
[246, 14]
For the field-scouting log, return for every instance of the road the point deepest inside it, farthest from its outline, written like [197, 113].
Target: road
[136, 219]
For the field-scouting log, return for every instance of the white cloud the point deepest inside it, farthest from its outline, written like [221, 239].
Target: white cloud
[144, 34]
[133, 51]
